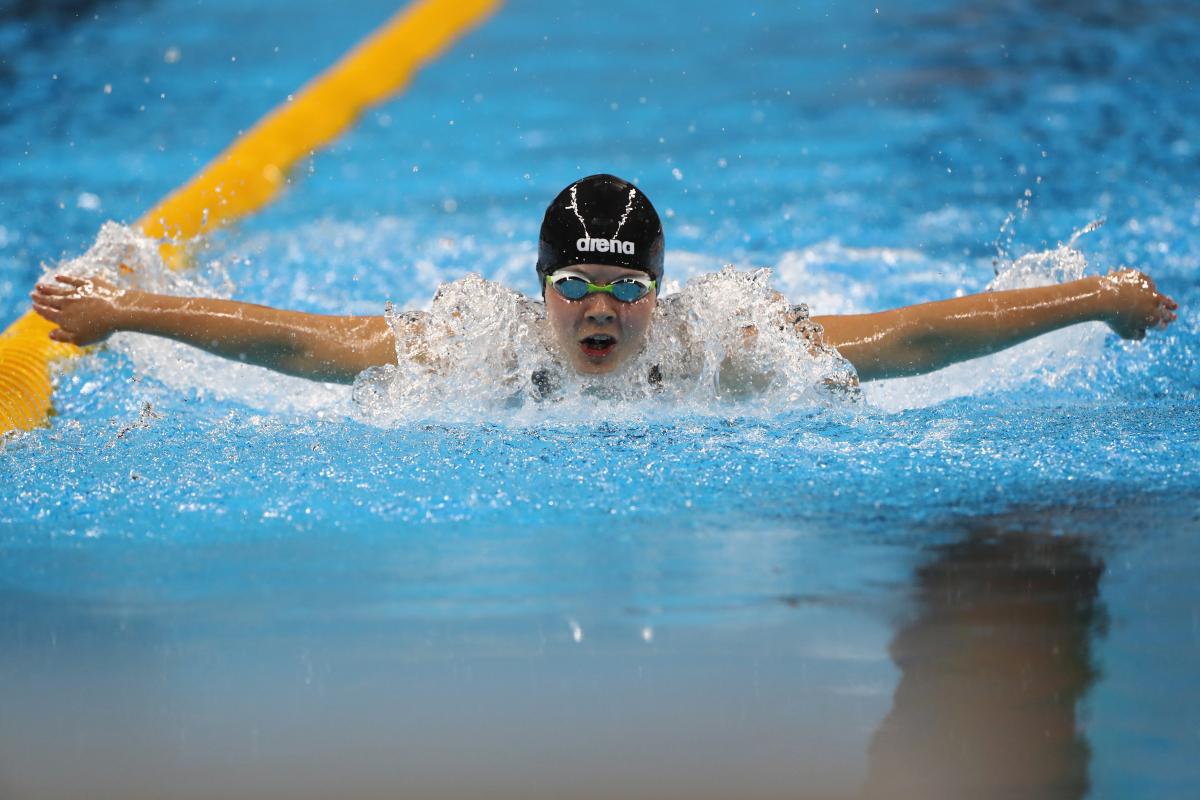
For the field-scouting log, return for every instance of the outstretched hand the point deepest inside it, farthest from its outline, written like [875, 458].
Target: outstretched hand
[85, 309]
[1135, 304]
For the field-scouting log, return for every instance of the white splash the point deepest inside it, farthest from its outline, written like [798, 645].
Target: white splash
[131, 260]
[1067, 355]
[485, 352]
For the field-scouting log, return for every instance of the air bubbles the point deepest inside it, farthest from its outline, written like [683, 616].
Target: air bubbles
[172, 55]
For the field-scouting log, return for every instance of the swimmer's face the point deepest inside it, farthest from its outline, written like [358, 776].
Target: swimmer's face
[599, 333]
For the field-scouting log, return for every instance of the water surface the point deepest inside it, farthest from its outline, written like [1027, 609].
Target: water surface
[216, 582]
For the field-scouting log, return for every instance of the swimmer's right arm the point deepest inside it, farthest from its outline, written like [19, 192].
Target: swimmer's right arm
[314, 346]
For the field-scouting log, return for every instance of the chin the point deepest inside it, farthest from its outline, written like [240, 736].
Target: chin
[589, 368]
[610, 364]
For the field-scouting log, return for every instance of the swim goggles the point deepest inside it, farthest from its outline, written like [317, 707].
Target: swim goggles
[576, 287]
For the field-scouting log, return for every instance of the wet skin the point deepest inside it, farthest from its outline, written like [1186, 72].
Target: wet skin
[599, 333]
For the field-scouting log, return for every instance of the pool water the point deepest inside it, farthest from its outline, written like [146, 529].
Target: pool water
[219, 582]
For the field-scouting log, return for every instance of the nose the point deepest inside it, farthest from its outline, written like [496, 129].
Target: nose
[600, 310]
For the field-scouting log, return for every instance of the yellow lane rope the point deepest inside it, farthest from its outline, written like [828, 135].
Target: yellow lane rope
[250, 172]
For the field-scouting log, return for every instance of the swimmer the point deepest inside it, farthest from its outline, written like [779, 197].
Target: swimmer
[600, 269]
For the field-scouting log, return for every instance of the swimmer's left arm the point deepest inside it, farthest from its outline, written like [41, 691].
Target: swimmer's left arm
[926, 337]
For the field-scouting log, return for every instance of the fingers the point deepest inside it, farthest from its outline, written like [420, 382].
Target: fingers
[1165, 312]
[1159, 319]
[54, 289]
[53, 300]
[49, 312]
[70, 280]
[59, 335]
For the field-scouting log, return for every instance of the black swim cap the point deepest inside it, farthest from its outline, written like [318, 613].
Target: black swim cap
[601, 219]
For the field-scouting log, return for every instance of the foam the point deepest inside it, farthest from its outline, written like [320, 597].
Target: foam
[488, 352]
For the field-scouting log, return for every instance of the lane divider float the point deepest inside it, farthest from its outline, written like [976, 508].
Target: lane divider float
[250, 173]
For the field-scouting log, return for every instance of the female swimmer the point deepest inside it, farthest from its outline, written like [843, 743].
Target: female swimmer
[600, 266]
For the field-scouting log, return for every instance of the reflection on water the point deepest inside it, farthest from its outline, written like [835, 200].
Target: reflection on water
[254, 697]
[994, 667]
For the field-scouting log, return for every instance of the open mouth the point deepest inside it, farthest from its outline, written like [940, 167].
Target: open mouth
[598, 345]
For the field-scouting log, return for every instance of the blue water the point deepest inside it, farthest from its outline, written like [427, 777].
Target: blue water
[209, 571]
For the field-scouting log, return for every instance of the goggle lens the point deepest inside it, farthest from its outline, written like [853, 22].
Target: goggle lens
[628, 290]
[572, 288]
